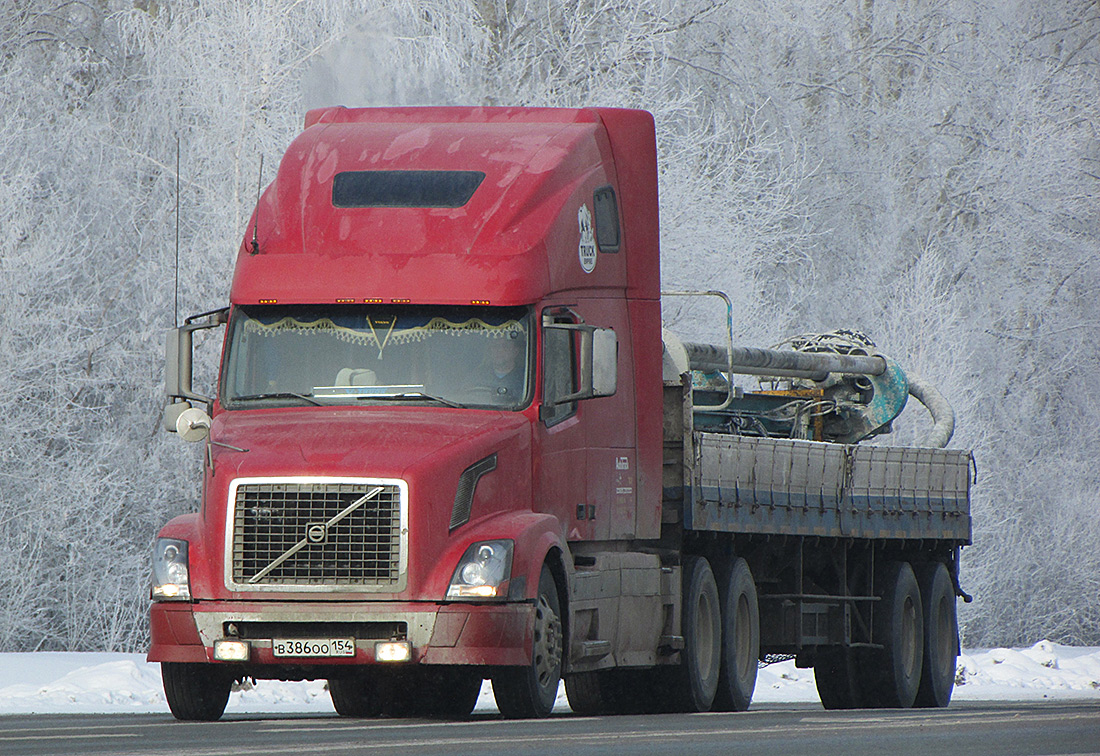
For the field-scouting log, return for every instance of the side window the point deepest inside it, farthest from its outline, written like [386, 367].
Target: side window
[606, 219]
[559, 364]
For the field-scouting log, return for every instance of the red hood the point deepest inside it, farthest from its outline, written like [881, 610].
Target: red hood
[427, 447]
[376, 442]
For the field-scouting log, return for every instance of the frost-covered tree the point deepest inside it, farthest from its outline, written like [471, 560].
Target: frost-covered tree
[924, 170]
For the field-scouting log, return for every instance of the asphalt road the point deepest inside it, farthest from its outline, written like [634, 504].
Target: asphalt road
[997, 729]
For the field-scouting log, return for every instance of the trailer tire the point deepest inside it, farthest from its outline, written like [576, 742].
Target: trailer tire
[196, 692]
[696, 677]
[899, 627]
[740, 640]
[941, 636]
[356, 696]
[530, 692]
[836, 674]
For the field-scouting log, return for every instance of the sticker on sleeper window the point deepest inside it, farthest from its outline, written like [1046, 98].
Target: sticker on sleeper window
[587, 249]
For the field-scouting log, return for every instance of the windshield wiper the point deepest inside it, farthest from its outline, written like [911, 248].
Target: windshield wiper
[414, 395]
[279, 395]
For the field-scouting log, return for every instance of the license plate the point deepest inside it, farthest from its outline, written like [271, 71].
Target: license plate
[313, 647]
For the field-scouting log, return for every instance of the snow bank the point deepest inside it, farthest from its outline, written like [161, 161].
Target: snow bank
[70, 683]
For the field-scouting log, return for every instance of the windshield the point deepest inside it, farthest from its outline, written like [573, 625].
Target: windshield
[373, 354]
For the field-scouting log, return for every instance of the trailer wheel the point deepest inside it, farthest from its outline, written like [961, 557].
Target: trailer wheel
[527, 692]
[941, 636]
[740, 640]
[899, 627]
[196, 692]
[355, 696]
[695, 680]
[836, 673]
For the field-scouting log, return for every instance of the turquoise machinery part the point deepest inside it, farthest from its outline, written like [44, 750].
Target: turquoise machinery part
[890, 392]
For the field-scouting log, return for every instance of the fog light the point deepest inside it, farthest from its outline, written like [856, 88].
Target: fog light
[231, 650]
[392, 651]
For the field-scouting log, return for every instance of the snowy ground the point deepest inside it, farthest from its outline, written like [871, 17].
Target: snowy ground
[69, 683]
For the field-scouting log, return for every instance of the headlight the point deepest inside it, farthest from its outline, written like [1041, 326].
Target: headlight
[483, 571]
[170, 579]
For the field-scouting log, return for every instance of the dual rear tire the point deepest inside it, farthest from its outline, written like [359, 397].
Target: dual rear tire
[720, 622]
[916, 625]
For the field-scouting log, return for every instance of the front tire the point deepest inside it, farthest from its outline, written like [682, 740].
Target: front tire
[196, 692]
[529, 692]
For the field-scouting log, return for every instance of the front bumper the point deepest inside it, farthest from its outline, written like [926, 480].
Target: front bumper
[451, 634]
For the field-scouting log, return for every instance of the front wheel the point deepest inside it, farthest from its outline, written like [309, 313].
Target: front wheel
[196, 692]
[528, 692]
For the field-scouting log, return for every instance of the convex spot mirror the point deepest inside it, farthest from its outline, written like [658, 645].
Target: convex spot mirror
[193, 424]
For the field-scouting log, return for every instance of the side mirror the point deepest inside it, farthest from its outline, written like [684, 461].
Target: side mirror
[598, 368]
[172, 413]
[177, 365]
[605, 362]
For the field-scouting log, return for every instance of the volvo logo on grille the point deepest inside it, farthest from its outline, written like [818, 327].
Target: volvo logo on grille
[316, 532]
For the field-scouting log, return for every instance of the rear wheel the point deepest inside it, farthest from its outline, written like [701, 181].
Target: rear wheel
[422, 691]
[586, 693]
[526, 692]
[837, 675]
[196, 692]
[695, 680]
[941, 636]
[899, 627]
[621, 691]
[355, 696]
[740, 640]
[451, 693]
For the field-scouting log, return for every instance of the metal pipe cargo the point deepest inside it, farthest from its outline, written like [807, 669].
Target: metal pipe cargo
[755, 361]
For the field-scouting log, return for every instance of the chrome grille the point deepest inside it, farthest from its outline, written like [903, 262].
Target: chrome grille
[317, 535]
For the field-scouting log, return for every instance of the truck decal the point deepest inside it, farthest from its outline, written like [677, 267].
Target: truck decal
[586, 250]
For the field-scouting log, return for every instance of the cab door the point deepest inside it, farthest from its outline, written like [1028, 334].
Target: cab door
[585, 432]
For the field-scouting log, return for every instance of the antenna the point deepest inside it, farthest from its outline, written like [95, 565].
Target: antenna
[176, 310]
[256, 222]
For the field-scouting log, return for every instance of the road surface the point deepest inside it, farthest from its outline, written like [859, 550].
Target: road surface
[996, 729]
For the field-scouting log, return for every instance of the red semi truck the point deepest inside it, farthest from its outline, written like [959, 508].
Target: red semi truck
[450, 441]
